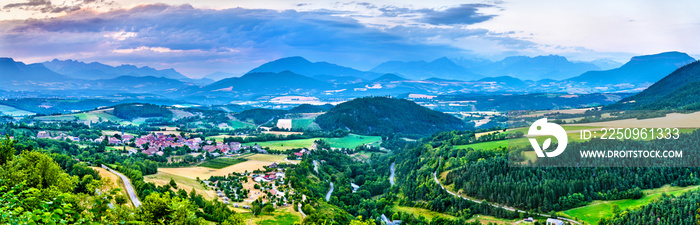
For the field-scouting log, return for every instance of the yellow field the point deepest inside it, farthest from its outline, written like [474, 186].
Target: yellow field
[282, 216]
[671, 120]
[221, 137]
[267, 158]
[163, 178]
[204, 173]
[113, 182]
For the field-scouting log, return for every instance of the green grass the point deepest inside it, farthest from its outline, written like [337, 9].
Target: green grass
[67, 117]
[284, 145]
[84, 116]
[235, 124]
[220, 137]
[573, 137]
[492, 220]
[415, 211]
[184, 183]
[265, 157]
[284, 215]
[219, 163]
[350, 141]
[12, 111]
[301, 123]
[600, 209]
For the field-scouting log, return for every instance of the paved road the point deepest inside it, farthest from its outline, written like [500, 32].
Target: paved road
[303, 199]
[328, 195]
[127, 184]
[393, 173]
[301, 211]
[315, 166]
[492, 204]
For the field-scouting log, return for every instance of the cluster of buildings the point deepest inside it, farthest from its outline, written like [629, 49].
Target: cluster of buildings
[268, 177]
[152, 144]
[61, 136]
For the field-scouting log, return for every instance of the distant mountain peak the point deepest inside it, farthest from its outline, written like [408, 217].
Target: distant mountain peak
[443, 68]
[96, 70]
[300, 65]
[389, 77]
[669, 55]
[529, 68]
[639, 70]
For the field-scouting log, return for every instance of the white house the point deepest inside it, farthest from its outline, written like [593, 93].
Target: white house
[551, 221]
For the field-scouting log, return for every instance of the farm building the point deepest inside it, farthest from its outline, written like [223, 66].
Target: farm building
[551, 221]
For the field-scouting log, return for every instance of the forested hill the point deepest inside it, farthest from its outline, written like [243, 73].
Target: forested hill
[679, 90]
[381, 115]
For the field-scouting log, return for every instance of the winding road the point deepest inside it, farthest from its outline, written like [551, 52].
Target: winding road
[129, 189]
[492, 204]
[315, 166]
[328, 195]
[393, 174]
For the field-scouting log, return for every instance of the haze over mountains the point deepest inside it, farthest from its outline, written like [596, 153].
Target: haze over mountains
[639, 70]
[678, 90]
[298, 76]
[418, 70]
[530, 68]
[96, 71]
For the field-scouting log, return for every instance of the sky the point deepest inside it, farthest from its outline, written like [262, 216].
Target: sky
[234, 36]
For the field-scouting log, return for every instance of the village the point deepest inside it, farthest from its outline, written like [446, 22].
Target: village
[236, 189]
[153, 144]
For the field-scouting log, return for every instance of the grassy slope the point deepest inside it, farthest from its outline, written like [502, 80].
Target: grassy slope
[428, 214]
[350, 141]
[235, 124]
[599, 209]
[12, 111]
[115, 182]
[573, 136]
[219, 163]
[162, 178]
[281, 216]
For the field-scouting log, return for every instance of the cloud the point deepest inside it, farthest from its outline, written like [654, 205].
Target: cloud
[45, 6]
[462, 14]
[189, 38]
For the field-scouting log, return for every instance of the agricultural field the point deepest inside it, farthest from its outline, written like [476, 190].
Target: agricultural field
[573, 133]
[350, 141]
[12, 111]
[203, 172]
[236, 124]
[92, 116]
[428, 214]
[596, 210]
[673, 120]
[281, 216]
[304, 123]
[222, 162]
[114, 182]
[185, 183]
[266, 157]
[221, 137]
[179, 114]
